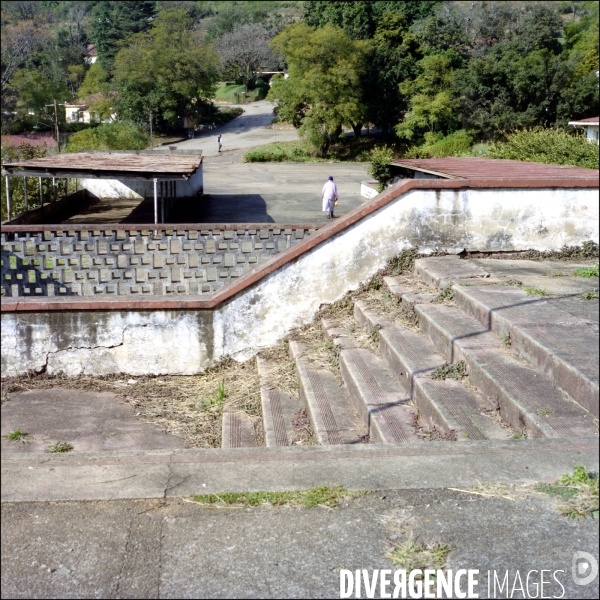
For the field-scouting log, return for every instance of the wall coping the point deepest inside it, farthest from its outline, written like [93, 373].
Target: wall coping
[215, 299]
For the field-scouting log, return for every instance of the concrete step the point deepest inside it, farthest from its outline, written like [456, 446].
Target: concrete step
[457, 411]
[328, 405]
[438, 272]
[237, 430]
[408, 354]
[560, 345]
[395, 287]
[337, 335]
[526, 398]
[378, 397]
[368, 318]
[410, 300]
[278, 408]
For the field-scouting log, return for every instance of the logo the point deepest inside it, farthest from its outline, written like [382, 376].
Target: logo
[584, 568]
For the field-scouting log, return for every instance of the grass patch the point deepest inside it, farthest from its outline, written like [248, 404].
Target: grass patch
[59, 447]
[586, 272]
[587, 251]
[348, 149]
[411, 555]
[455, 371]
[329, 497]
[579, 491]
[590, 295]
[445, 295]
[16, 435]
[533, 291]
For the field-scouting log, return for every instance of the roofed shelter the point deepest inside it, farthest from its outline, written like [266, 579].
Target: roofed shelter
[115, 175]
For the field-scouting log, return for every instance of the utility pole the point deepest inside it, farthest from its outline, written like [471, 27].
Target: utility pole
[151, 138]
[56, 105]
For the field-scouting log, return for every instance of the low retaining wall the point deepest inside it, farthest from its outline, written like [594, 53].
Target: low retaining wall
[40, 214]
[125, 260]
[187, 334]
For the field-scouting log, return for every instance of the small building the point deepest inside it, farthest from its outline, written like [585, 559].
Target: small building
[79, 111]
[591, 126]
[91, 56]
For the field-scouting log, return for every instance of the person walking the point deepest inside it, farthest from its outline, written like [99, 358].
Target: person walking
[330, 197]
[219, 142]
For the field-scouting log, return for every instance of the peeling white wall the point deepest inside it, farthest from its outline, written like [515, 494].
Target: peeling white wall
[186, 342]
[136, 189]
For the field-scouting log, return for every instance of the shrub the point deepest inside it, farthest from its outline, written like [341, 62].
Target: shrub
[120, 135]
[380, 167]
[551, 146]
[454, 144]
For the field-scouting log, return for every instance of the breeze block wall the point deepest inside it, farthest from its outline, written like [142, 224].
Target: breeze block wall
[129, 261]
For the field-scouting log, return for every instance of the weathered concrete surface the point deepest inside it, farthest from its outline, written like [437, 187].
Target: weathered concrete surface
[262, 314]
[175, 473]
[100, 342]
[173, 549]
[89, 421]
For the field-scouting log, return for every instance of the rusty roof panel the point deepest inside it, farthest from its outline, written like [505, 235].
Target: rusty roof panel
[142, 163]
[493, 168]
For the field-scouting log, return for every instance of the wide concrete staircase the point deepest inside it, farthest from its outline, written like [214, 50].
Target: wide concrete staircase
[531, 370]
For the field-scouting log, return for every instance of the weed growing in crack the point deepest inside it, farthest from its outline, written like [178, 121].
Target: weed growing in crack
[533, 291]
[579, 490]
[544, 412]
[374, 337]
[445, 295]
[586, 272]
[513, 283]
[412, 555]
[17, 435]
[589, 295]
[59, 447]
[218, 398]
[454, 371]
[505, 339]
[329, 497]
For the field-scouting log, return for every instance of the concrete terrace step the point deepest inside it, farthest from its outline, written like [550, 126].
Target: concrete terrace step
[560, 345]
[278, 408]
[438, 272]
[332, 416]
[527, 399]
[237, 430]
[459, 412]
[378, 397]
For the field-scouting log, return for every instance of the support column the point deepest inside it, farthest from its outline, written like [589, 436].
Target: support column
[162, 205]
[25, 193]
[41, 192]
[7, 197]
[54, 188]
[155, 203]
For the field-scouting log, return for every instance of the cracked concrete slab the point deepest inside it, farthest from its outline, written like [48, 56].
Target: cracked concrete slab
[176, 549]
[89, 421]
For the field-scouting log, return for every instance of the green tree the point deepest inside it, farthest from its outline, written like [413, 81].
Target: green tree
[323, 92]
[116, 21]
[35, 91]
[166, 72]
[120, 135]
[432, 104]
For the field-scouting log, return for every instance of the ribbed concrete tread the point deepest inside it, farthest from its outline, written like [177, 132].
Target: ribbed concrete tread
[379, 398]
[332, 416]
[369, 318]
[436, 271]
[278, 408]
[563, 346]
[237, 430]
[451, 407]
[409, 354]
[527, 398]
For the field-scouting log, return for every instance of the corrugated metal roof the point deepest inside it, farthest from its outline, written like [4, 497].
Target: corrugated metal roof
[490, 168]
[139, 163]
[590, 121]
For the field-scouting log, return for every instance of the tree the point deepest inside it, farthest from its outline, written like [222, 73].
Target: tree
[245, 51]
[323, 92]
[36, 91]
[97, 91]
[116, 21]
[431, 100]
[19, 40]
[165, 72]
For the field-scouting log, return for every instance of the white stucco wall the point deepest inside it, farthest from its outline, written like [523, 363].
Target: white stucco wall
[185, 342]
[136, 189]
